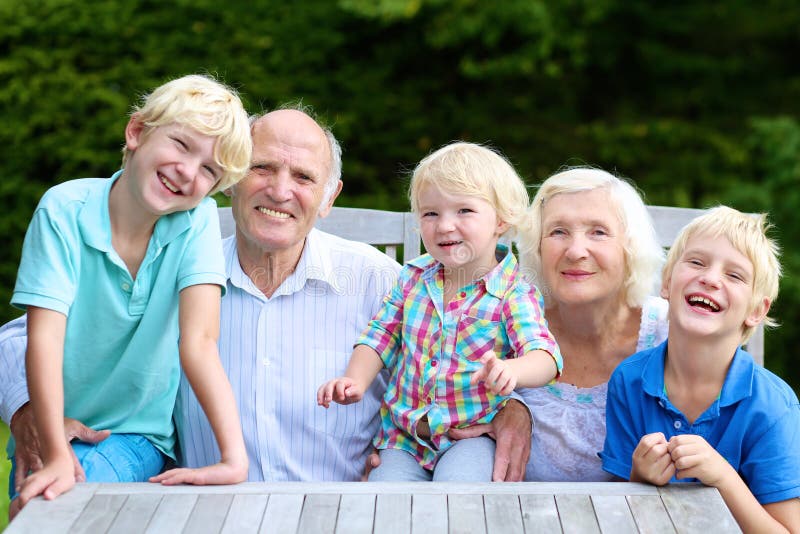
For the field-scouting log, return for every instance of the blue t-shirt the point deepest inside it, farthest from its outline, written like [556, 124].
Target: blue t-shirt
[121, 362]
[754, 424]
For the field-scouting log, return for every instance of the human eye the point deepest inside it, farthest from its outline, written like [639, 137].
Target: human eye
[260, 168]
[211, 172]
[180, 142]
[466, 210]
[557, 232]
[428, 214]
[599, 231]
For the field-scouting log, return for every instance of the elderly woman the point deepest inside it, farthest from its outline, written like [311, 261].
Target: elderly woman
[592, 250]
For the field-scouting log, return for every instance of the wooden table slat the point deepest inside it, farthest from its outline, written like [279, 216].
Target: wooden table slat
[56, 516]
[209, 514]
[356, 514]
[694, 508]
[650, 515]
[319, 514]
[172, 513]
[539, 514]
[245, 514]
[613, 514]
[576, 514]
[429, 514]
[98, 514]
[465, 514]
[503, 514]
[393, 514]
[135, 514]
[282, 513]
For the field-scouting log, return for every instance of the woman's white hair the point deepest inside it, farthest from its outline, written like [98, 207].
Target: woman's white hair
[643, 255]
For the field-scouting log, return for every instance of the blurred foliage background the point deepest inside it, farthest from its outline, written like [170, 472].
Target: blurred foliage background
[696, 102]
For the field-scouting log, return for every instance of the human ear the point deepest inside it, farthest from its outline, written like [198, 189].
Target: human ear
[759, 312]
[324, 210]
[133, 132]
[502, 227]
[665, 287]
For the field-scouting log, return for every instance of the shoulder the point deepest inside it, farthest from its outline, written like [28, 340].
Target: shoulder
[73, 191]
[344, 252]
[771, 391]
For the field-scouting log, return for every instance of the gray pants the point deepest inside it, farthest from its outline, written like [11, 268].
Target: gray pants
[467, 460]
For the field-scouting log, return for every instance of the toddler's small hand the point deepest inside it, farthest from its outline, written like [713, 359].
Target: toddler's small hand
[342, 390]
[496, 374]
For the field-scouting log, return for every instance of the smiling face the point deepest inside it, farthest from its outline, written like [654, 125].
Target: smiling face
[278, 202]
[460, 231]
[710, 290]
[171, 168]
[582, 248]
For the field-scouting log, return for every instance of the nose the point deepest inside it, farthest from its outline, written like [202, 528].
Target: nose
[189, 168]
[711, 277]
[576, 249]
[279, 186]
[445, 224]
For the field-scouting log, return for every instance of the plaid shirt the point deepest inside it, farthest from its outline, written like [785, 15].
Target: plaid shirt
[432, 350]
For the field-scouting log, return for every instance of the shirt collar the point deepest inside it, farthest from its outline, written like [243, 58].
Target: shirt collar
[497, 281]
[94, 220]
[315, 264]
[738, 383]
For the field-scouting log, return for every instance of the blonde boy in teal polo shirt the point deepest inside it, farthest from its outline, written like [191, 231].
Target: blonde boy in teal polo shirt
[121, 279]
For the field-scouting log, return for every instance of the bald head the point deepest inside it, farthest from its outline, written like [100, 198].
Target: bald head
[292, 127]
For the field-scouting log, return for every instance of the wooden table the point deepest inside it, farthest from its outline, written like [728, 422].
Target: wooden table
[355, 507]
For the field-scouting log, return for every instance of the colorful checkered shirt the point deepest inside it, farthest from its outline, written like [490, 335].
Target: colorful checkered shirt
[432, 350]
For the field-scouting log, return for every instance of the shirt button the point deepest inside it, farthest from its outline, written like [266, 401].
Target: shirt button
[266, 362]
[434, 363]
[661, 403]
[463, 294]
[126, 286]
[677, 424]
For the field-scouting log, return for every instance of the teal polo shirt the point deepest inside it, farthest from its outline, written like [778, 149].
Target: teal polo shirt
[121, 361]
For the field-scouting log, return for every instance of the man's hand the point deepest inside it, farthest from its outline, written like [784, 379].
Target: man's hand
[27, 455]
[651, 461]
[695, 458]
[342, 390]
[511, 429]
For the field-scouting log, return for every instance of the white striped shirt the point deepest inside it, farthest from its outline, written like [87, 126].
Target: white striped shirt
[277, 351]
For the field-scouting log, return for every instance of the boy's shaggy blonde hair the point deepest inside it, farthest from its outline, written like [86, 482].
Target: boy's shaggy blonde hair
[643, 255]
[748, 234]
[208, 107]
[473, 170]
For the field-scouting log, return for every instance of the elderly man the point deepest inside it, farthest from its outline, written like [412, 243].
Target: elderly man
[296, 300]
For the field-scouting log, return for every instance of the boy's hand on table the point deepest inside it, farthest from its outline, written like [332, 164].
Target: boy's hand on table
[221, 473]
[695, 458]
[55, 478]
[651, 461]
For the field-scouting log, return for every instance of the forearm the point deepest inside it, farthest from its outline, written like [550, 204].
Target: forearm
[533, 369]
[44, 363]
[364, 366]
[748, 512]
[201, 364]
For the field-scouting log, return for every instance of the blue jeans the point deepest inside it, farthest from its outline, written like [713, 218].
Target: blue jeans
[118, 458]
[467, 460]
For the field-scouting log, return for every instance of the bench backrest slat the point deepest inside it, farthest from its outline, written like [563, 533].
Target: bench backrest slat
[390, 230]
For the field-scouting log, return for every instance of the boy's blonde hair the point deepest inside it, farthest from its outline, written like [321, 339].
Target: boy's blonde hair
[643, 254]
[473, 170]
[748, 234]
[208, 107]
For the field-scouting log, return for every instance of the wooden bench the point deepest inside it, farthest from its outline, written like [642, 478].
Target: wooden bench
[392, 230]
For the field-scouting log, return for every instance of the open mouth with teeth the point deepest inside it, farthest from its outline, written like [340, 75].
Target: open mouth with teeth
[273, 213]
[449, 243]
[698, 301]
[169, 184]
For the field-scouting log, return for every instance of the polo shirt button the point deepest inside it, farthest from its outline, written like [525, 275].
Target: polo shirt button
[661, 403]
[126, 286]
[677, 424]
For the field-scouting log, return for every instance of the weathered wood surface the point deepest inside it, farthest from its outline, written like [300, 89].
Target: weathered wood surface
[380, 508]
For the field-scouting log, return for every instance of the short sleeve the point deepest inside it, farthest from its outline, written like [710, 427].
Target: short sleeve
[621, 435]
[526, 327]
[13, 385]
[384, 332]
[203, 261]
[771, 467]
[47, 276]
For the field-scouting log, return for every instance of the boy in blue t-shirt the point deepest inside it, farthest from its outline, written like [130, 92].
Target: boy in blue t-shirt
[121, 279]
[698, 408]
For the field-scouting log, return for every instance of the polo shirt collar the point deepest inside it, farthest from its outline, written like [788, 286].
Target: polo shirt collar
[94, 221]
[497, 281]
[738, 383]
